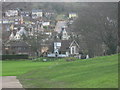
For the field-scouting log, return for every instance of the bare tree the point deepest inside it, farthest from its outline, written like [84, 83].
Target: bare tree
[98, 25]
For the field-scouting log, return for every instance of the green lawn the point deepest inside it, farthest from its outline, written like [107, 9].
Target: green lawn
[14, 68]
[99, 72]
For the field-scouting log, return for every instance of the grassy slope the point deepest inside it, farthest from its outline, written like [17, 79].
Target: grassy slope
[14, 68]
[100, 72]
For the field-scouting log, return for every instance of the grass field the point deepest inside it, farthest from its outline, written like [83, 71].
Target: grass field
[14, 68]
[99, 72]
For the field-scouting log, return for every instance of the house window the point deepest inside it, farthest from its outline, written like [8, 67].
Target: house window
[73, 50]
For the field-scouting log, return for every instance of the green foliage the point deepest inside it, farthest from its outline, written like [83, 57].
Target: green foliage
[46, 59]
[45, 27]
[70, 58]
[41, 59]
[111, 44]
[9, 57]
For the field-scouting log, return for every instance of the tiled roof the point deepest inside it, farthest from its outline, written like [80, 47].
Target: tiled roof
[65, 45]
[17, 43]
[36, 10]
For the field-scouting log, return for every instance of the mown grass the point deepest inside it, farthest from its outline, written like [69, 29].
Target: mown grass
[18, 67]
[99, 72]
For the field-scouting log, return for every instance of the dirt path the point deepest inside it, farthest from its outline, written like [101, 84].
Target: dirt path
[10, 82]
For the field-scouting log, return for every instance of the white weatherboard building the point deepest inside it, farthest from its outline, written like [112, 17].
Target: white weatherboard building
[57, 46]
[72, 15]
[46, 23]
[37, 13]
[65, 35]
[18, 35]
[11, 37]
[65, 48]
[10, 13]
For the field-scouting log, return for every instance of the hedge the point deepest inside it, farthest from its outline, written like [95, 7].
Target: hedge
[21, 56]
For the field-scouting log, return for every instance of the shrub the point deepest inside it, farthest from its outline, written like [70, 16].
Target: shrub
[38, 59]
[45, 59]
[70, 58]
[83, 57]
[21, 56]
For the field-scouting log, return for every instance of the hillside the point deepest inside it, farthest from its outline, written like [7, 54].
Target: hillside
[99, 72]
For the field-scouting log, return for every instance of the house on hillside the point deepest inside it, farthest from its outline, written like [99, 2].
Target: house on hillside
[46, 23]
[72, 15]
[37, 13]
[64, 48]
[16, 47]
[17, 34]
[5, 21]
[11, 20]
[49, 13]
[64, 34]
[11, 12]
[25, 13]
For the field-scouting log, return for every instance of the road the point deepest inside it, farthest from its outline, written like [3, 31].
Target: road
[10, 82]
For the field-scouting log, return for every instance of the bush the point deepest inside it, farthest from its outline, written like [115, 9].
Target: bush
[38, 59]
[45, 59]
[70, 58]
[83, 57]
[21, 56]
[45, 27]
